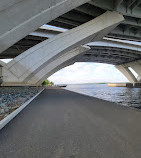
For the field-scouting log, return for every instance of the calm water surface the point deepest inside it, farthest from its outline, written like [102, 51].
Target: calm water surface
[130, 97]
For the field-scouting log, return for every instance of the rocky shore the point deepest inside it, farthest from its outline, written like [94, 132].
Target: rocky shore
[13, 97]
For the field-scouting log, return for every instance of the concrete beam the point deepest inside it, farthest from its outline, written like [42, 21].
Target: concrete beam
[127, 73]
[108, 5]
[128, 49]
[135, 4]
[117, 3]
[120, 34]
[129, 3]
[25, 66]
[93, 11]
[4, 4]
[134, 63]
[21, 17]
[90, 10]
[116, 44]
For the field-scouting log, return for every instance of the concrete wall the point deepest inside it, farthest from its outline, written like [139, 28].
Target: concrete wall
[24, 67]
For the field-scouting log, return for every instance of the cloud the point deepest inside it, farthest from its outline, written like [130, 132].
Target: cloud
[88, 73]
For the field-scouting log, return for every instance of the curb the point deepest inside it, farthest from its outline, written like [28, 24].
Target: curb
[7, 119]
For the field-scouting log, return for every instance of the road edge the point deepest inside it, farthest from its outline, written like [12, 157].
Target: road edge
[7, 119]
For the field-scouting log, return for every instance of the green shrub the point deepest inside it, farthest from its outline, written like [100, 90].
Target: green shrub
[47, 82]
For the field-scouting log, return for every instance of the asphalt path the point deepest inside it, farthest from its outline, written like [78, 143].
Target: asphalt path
[64, 124]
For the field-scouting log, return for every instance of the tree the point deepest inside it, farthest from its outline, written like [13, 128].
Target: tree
[47, 82]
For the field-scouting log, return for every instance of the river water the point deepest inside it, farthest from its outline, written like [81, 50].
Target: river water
[130, 97]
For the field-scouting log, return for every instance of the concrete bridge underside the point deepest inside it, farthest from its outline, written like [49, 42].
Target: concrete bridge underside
[38, 52]
[19, 18]
[105, 51]
[29, 67]
[129, 29]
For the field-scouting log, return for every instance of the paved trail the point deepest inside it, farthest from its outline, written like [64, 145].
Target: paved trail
[63, 124]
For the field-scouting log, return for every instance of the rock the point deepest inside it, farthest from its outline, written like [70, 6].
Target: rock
[6, 109]
[2, 105]
[13, 97]
[2, 111]
[15, 107]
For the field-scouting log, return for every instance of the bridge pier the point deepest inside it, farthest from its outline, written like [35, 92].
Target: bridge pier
[137, 69]
[57, 64]
[127, 73]
[136, 66]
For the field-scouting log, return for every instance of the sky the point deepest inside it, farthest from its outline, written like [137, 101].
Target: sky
[87, 73]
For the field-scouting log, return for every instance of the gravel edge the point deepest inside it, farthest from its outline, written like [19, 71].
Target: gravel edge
[7, 119]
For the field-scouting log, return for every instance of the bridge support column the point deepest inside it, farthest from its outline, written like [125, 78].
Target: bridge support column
[24, 67]
[137, 69]
[136, 66]
[127, 73]
[56, 65]
[59, 67]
